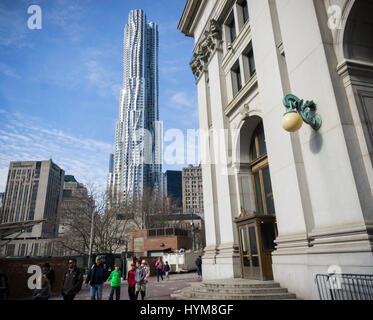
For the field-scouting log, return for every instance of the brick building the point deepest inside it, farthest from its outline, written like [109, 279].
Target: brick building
[153, 242]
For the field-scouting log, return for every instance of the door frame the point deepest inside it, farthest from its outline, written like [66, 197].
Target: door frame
[254, 220]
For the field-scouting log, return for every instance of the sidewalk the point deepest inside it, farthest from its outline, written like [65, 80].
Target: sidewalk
[155, 290]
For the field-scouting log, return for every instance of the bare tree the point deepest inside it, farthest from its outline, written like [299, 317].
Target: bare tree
[112, 223]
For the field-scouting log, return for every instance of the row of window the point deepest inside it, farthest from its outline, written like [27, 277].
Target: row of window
[244, 68]
[31, 249]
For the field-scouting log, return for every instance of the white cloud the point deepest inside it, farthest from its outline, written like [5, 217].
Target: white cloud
[28, 138]
[7, 71]
[182, 99]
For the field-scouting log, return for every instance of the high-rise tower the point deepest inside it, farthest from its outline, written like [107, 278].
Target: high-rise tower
[136, 163]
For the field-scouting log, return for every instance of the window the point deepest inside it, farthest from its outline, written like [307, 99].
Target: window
[260, 173]
[231, 26]
[236, 78]
[22, 250]
[245, 11]
[249, 62]
[9, 249]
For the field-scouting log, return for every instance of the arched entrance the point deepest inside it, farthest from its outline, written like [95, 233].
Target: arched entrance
[357, 38]
[257, 224]
[356, 71]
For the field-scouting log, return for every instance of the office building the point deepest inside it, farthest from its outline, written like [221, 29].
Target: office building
[172, 186]
[33, 192]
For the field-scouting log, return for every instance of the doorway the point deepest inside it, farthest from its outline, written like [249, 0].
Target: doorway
[257, 231]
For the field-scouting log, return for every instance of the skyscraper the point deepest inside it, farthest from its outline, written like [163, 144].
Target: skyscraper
[136, 163]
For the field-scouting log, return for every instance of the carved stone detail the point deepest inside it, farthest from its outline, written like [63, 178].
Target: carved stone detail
[206, 47]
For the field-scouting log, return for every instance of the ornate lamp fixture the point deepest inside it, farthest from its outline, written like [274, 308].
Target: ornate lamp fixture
[298, 111]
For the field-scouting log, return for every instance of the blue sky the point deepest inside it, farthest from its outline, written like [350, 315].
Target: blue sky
[59, 86]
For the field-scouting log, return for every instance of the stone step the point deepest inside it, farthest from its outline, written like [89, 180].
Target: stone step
[257, 290]
[244, 285]
[234, 289]
[207, 296]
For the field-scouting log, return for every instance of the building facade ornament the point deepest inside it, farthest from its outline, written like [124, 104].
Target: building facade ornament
[206, 47]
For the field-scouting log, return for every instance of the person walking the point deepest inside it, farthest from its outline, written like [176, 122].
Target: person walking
[132, 282]
[140, 280]
[96, 277]
[145, 264]
[115, 277]
[49, 274]
[159, 268]
[72, 281]
[4, 286]
[167, 271]
[44, 292]
[199, 267]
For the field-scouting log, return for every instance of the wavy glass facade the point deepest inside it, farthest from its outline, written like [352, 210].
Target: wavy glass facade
[136, 163]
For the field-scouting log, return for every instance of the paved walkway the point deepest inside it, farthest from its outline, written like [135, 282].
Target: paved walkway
[155, 290]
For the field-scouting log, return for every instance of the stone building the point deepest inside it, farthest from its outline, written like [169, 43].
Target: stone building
[192, 190]
[33, 192]
[75, 200]
[285, 205]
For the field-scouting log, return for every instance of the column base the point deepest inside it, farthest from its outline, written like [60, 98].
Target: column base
[295, 266]
[222, 262]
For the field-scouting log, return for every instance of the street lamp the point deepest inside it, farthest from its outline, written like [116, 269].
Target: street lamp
[91, 239]
[297, 112]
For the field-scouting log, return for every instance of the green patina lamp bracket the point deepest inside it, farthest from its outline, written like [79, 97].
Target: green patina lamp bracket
[307, 110]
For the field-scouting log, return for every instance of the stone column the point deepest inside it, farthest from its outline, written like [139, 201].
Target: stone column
[209, 197]
[286, 165]
[339, 190]
[228, 265]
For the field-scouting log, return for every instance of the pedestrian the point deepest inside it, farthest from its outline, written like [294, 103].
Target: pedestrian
[145, 264]
[132, 282]
[199, 267]
[115, 276]
[4, 286]
[72, 281]
[140, 280]
[159, 268]
[49, 274]
[44, 292]
[97, 275]
[167, 271]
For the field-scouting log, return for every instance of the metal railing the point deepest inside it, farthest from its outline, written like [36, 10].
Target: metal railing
[345, 286]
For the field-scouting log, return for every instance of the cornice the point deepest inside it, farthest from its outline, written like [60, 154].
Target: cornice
[354, 66]
[188, 16]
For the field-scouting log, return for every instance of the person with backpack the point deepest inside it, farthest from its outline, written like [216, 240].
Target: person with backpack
[72, 281]
[115, 277]
[97, 275]
[159, 268]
